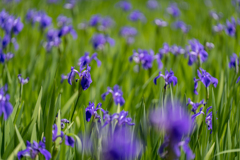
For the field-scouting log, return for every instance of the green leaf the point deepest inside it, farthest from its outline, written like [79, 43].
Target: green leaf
[208, 156]
[67, 106]
[20, 137]
[15, 151]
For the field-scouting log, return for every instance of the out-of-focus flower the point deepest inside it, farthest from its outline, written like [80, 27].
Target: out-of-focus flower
[176, 50]
[34, 16]
[165, 49]
[67, 30]
[53, 39]
[160, 23]
[215, 15]
[100, 40]
[70, 4]
[206, 79]
[209, 45]
[84, 75]
[218, 28]
[233, 60]
[63, 21]
[106, 23]
[6, 107]
[196, 51]
[83, 25]
[238, 79]
[137, 16]
[152, 4]
[173, 10]
[5, 57]
[22, 80]
[95, 20]
[129, 33]
[69, 141]
[34, 149]
[120, 117]
[117, 95]
[121, 145]
[124, 5]
[231, 27]
[168, 77]
[176, 122]
[181, 25]
[91, 111]
[195, 105]
[86, 60]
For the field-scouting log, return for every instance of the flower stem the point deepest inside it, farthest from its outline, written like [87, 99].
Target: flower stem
[20, 92]
[79, 94]
[164, 92]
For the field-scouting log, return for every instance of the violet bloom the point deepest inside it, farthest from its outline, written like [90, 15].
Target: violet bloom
[99, 41]
[176, 50]
[86, 60]
[85, 77]
[152, 4]
[70, 4]
[196, 52]
[117, 95]
[7, 40]
[168, 77]
[33, 150]
[121, 118]
[160, 23]
[22, 80]
[215, 15]
[209, 45]
[146, 58]
[173, 10]
[218, 28]
[95, 20]
[91, 111]
[53, 39]
[124, 5]
[233, 60]
[195, 105]
[6, 107]
[106, 23]
[67, 30]
[176, 122]
[12, 25]
[165, 49]
[128, 33]
[121, 145]
[206, 79]
[231, 27]
[43, 19]
[5, 57]
[181, 25]
[63, 20]
[137, 16]
[69, 141]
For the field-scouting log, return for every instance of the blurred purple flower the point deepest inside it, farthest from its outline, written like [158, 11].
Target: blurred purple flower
[137, 16]
[91, 111]
[152, 4]
[176, 122]
[100, 40]
[238, 79]
[176, 50]
[86, 60]
[209, 45]
[124, 5]
[6, 107]
[195, 105]
[22, 80]
[215, 15]
[63, 21]
[95, 20]
[233, 59]
[168, 77]
[106, 23]
[181, 25]
[117, 95]
[34, 16]
[160, 23]
[70, 4]
[67, 30]
[206, 79]
[165, 49]
[53, 39]
[173, 10]
[5, 57]
[129, 33]
[69, 141]
[231, 27]
[218, 28]
[85, 77]
[33, 150]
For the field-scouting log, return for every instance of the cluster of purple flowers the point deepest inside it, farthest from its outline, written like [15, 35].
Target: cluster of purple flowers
[195, 105]
[168, 77]
[173, 10]
[160, 23]
[128, 33]
[100, 40]
[117, 95]
[182, 26]
[91, 111]
[6, 107]
[174, 49]
[137, 16]
[124, 5]
[101, 23]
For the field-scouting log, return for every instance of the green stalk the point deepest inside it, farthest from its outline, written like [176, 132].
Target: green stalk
[164, 92]
[20, 92]
[79, 94]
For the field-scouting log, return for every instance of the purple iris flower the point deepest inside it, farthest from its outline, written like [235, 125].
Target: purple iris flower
[124, 5]
[117, 95]
[63, 20]
[70, 4]
[181, 25]
[22, 80]
[195, 105]
[106, 23]
[69, 141]
[34, 16]
[137, 16]
[173, 10]
[176, 50]
[218, 28]
[152, 4]
[146, 58]
[5, 57]
[176, 122]
[129, 33]
[7, 40]
[168, 77]
[120, 117]
[231, 27]
[67, 30]
[63, 122]
[238, 79]
[165, 49]
[196, 50]
[160, 23]
[86, 60]
[6, 107]
[34, 149]
[95, 20]
[91, 111]
[206, 79]
[100, 40]
[209, 45]
[53, 39]
[233, 59]
[3, 17]
[215, 15]
[84, 75]
[121, 145]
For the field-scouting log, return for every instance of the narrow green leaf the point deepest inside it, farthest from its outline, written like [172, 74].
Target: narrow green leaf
[67, 106]
[208, 156]
[20, 137]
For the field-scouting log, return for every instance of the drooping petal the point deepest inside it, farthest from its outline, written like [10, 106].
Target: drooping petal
[69, 141]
